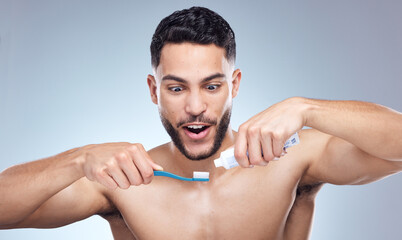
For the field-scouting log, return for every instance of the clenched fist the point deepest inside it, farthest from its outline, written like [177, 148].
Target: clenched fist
[118, 164]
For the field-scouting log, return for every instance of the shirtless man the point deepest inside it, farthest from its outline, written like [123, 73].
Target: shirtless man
[194, 82]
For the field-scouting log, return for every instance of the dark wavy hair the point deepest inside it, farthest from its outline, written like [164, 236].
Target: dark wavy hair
[196, 25]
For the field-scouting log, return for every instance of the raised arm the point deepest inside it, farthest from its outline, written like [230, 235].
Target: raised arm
[373, 128]
[362, 141]
[356, 142]
[57, 190]
[339, 162]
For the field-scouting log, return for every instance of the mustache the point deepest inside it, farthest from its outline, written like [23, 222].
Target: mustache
[200, 118]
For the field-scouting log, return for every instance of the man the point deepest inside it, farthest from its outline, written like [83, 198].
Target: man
[194, 82]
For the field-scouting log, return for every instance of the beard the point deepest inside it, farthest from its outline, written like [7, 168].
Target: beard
[222, 127]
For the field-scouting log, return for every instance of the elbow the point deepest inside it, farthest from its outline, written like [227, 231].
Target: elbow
[9, 225]
[398, 166]
[10, 222]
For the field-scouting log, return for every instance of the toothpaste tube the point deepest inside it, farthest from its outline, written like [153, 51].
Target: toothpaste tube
[228, 161]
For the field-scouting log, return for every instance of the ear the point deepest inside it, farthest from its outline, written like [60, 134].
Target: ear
[236, 78]
[152, 88]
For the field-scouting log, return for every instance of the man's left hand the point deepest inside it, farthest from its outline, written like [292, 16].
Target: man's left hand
[262, 138]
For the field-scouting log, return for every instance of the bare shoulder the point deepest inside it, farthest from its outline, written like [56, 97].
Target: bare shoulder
[159, 149]
[159, 154]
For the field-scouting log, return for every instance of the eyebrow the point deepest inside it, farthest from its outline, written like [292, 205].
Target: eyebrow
[179, 79]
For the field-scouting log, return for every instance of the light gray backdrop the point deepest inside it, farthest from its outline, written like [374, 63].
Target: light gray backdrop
[74, 73]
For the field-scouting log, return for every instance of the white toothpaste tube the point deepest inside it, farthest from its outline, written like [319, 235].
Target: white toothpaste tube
[228, 161]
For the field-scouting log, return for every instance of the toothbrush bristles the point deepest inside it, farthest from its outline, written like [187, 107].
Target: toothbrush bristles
[204, 175]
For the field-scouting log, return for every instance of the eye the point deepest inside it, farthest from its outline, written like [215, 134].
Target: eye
[176, 89]
[212, 87]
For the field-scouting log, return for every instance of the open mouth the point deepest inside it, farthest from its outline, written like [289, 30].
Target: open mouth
[197, 129]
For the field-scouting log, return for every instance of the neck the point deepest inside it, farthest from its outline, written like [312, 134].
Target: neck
[184, 166]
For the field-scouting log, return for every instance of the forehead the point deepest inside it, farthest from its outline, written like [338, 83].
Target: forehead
[190, 60]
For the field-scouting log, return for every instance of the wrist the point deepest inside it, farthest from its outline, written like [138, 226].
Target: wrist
[308, 109]
[78, 158]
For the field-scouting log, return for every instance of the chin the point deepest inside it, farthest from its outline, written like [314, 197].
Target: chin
[197, 152]
[195, 149]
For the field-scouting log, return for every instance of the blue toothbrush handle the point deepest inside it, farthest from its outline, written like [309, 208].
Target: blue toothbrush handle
[171, 175]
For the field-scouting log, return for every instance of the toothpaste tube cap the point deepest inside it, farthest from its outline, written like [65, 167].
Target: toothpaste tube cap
[226, 160]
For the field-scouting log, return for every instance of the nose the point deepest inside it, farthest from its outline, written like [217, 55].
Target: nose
[195, 104]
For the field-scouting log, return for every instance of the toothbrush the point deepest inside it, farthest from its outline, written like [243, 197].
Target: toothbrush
[197, 176]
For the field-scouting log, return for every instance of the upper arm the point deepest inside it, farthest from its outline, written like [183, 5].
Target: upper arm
[78, 201]
[339, 162]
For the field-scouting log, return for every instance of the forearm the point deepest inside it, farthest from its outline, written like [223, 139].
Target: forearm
[373, 128]
[24, 188]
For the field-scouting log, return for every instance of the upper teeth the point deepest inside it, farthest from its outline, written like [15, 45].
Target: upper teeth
[195, 126]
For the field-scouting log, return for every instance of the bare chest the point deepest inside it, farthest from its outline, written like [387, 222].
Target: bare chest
[245, 208]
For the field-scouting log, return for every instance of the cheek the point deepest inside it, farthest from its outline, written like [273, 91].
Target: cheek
[170, 107]
[221, 102]
[226, 97]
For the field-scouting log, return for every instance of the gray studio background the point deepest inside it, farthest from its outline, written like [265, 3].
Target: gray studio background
[74, 73]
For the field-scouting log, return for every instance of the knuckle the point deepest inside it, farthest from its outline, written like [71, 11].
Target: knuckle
[136, 184]
[277, 153]
[122, 158]
[123, 155]
[137, 181]
[238, 155]
[253, 131]
[125, 185]
[134, 148]
[277, 135]
[99, 174]
[148, 173]
[255, 161]
[140, 146]
[268, 157]
[148, 180]
[243, 164]
[111, 164]
[241, 158]
[242, 128]
[266, 132]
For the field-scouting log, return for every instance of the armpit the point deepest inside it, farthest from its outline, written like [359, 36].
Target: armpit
[118, 226]
[308, 190]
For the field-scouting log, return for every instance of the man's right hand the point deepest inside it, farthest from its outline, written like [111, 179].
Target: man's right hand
[53, 185]
[118, 164]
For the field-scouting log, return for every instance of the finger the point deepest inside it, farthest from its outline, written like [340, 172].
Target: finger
[266, 141]
[254, 147]
[143, 164]
[103, 178]
[118, 176]
[139, 149]
[129, 168]
[277, 145]
[240, 149]
[150, 161]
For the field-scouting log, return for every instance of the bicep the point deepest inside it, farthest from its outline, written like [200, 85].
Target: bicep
[340, 162]
[78, 201]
